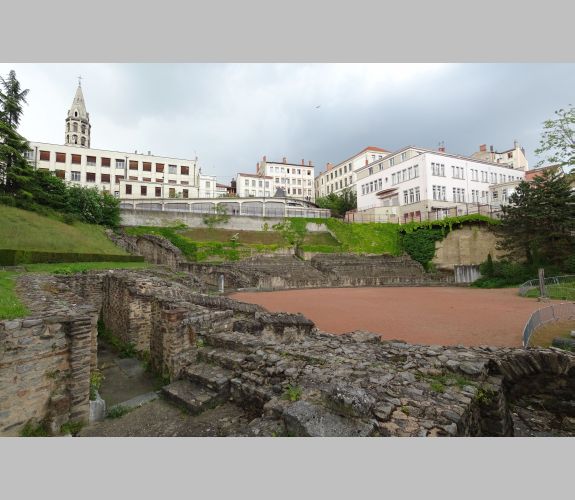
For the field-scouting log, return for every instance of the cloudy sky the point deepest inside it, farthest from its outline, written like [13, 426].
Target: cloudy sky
[230, 115]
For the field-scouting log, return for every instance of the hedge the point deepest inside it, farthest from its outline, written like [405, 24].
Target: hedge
[17, 257]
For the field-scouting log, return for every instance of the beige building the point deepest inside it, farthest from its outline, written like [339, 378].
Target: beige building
[292, 180]
[514, 158]
[124, 175]
[343, 175]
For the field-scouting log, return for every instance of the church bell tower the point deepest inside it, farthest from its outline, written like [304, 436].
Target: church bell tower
[78, 121]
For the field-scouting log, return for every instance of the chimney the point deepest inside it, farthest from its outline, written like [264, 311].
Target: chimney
[366, 162]
[149, 153]
[483, 148]
[515, 144]
[441, 149]
[491, 148]
[285, 159]
[309, 163]
[136, 152]
[328, 166]
[303, 162]
[264, 159]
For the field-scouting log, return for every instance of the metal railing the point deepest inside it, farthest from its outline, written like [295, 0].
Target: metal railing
[539, 318]
[555, 286]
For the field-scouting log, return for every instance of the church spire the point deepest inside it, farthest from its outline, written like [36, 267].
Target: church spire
[78, 121]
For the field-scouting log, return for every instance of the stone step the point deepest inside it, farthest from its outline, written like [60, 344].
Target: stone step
[213, 377]
[231, 360]
[234, 341]
[191, 396]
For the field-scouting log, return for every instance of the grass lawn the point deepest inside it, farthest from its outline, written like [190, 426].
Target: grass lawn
[25, 230]
[545, 335]
[564, 291]
[10, 305]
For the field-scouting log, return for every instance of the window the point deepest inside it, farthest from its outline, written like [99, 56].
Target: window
[172, 169]
[409, 172]
[185, 170]
[118, 178]
[61, 174]
[403, 156]
[144, 190]
[75, 176]
[61, 157]
[128, 189]
[75, 126]
[159, 180]
[91, 161]
[133, 177]
[159, 167]
[83, 129]
[90, 177]
[185, 193]
[370, 171]
[120, 163]
[158, 192]
[105, 178]
[76, 159]
[45, 155]
[417, 197]
[147, 179]
[405, 198]
[83, 141]
[416, 171]
[391, 162]
[133, 164]
[247, 182]
[411, 196]
[146, 166]
[393, 179]
[104, 162]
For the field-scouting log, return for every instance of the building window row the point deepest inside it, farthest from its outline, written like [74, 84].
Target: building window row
[459, 195]
[411, 196]
[439, 193]
[119, 163]
[405, 175]
[438, 169]
[458, 172]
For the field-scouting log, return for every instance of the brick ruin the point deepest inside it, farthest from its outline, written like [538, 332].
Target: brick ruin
[290, 377]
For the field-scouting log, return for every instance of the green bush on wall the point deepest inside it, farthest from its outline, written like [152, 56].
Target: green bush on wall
[17, 257]
[420, 244]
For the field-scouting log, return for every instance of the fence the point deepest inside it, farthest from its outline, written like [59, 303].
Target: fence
[555, 312]
[560, 287]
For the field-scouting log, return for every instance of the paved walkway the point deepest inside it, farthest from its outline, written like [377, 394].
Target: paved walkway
[433, 315]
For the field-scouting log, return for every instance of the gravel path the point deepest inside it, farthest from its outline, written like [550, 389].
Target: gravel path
[432, 315]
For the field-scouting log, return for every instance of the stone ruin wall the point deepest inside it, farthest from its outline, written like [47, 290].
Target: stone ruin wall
[45, 369]
[352, 384]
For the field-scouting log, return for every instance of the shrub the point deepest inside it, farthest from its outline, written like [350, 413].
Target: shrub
[420, 244]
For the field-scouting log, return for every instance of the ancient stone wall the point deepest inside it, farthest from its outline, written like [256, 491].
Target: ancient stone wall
[45, 365]
[466, 246]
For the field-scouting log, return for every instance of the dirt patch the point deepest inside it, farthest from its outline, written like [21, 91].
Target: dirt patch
[419, 315]
[162, 419]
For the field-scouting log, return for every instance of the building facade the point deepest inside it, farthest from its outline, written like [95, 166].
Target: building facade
[343, 175]
[253, 185]
[124, 175]
[413, 183]
[287, 179]
[514, 158]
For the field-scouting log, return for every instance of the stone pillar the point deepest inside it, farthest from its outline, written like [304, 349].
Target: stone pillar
[80, 338]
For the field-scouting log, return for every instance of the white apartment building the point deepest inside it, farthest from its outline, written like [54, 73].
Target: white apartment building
[514, 158]
[291, 179]
[343, 175]
[413, 182]
[253, 185]
[124, 175]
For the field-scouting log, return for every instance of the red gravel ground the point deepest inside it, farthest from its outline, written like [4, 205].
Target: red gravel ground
[418, 315]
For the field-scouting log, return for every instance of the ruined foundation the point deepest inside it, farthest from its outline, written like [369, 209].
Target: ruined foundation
[292, 379]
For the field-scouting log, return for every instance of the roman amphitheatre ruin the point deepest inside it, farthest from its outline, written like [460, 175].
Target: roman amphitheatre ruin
[337, 345]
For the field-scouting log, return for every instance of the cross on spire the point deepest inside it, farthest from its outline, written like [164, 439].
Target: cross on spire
[79, 81]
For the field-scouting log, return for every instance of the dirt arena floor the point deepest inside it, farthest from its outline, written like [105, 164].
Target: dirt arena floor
[418, 315]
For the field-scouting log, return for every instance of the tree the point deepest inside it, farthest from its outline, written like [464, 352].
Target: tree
[340, 203]
[538, 226]
[220, 217]
[558, 140]
[291, 233]
[14, 169]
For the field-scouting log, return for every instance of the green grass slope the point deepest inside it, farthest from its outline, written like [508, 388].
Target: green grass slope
[24, 230]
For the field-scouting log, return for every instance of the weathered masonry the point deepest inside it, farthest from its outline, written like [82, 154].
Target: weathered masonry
[292, 378]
